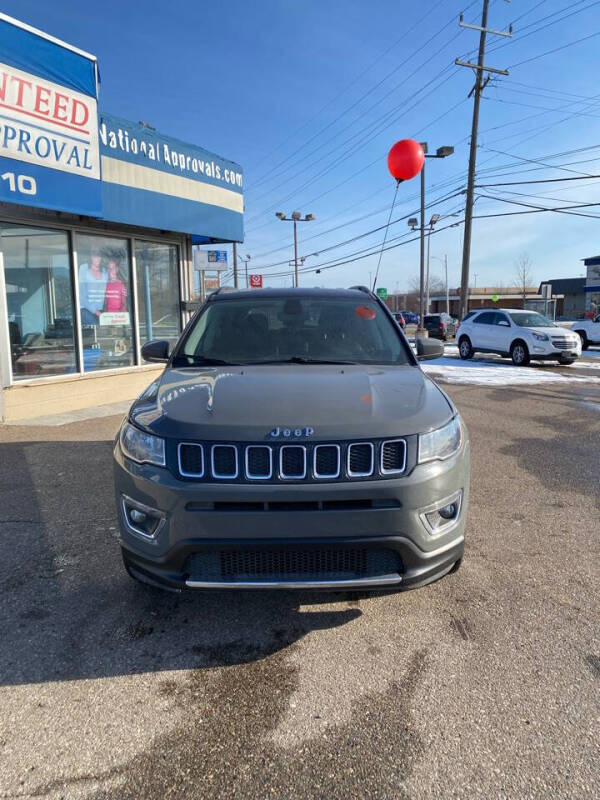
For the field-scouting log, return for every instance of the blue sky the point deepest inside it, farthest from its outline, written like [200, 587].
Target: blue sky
[308, 97]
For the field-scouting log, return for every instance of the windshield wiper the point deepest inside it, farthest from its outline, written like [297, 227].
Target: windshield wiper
[202, 361]
[303, 360]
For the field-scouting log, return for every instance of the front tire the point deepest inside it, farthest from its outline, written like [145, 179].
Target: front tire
[465, 349]
[519, 353]
[584, 339]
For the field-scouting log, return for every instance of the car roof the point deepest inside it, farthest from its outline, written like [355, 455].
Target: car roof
[312, 293]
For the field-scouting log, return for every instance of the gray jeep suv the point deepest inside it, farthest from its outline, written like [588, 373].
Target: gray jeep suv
[292, 441]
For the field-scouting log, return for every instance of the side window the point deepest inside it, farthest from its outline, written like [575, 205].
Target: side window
[487, 318]
[500, 317]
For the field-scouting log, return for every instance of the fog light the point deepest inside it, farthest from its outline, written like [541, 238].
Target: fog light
[449, 512]
[140, 519]
[443, 515]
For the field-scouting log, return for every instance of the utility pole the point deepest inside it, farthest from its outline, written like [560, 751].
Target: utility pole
[480, 84]
[295, 255]
[447, 293]
[235, 271]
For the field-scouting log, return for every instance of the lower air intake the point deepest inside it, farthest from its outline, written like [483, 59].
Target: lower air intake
[293, 563]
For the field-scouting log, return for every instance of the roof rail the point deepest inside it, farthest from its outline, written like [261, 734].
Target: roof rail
[222, 289]
[364, 289]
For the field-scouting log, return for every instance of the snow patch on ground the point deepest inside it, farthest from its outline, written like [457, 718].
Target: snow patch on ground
[499, 374]
[493, 370]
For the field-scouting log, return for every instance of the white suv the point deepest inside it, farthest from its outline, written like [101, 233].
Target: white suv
[522, 335]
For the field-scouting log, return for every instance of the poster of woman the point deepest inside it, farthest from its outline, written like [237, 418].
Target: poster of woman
[115, 298]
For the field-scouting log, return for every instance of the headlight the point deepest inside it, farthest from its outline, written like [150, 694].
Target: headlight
[142, 447]
[441, 443]
[541, 337]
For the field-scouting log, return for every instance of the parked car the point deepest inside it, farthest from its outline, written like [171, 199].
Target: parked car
[292, 441]
[588, 331]
[521, 335]
[398, 316]
[410, 317]
[440, 326]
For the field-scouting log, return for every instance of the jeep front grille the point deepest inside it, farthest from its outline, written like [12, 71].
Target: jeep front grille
[287, 463]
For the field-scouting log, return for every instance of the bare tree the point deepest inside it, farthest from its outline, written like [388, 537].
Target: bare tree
[436, 285]
[523, 275]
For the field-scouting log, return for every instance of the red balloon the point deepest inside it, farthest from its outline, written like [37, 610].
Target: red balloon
[406, 159]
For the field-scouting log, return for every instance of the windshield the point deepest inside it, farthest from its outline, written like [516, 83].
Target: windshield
[292, 330]
[530, 319]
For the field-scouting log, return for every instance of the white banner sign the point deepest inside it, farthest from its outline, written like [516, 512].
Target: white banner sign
[46, 124]
[213, 260]
[115, 318]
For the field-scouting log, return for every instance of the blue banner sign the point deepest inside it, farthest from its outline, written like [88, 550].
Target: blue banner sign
[155, 181]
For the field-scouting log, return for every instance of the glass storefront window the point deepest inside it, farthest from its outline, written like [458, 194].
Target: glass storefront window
[157, 291]
[39, 298]
[105, 302]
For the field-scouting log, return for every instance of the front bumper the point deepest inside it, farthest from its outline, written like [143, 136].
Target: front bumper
[213, 521]
[540, 351]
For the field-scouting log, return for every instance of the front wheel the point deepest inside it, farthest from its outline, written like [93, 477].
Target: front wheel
[465, 350]
[519, 354]
[584, 340]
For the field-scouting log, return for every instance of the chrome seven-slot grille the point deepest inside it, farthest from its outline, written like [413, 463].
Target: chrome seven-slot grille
[291, 462]
[564, 343]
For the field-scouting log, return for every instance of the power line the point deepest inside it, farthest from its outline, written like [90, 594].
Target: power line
[368, 93]
[368, 132]
[352, 84]
[555, 50]
[558, 209]
[540, 180]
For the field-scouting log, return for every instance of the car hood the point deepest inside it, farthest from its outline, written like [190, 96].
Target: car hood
[550, 331]
[246, 403]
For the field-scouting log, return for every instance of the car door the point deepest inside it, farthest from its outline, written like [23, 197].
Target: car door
[482, 331]
[503, 333]
[595, 330]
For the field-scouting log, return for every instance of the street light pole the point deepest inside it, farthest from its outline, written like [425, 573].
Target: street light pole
[245, 263]
[422, 254]
[441, 152]
[447, 295]
[427, 282]
[432, 222]
[295, 217]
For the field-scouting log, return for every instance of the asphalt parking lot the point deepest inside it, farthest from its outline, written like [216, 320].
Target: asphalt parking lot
[484, 684]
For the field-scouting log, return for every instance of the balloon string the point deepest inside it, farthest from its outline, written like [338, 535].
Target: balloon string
[387, 227]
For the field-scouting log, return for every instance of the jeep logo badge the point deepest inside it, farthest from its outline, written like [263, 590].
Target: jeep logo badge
[290, 433]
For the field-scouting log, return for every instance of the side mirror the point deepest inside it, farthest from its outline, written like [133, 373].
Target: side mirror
[505, 323]
[428, 349]
[157, 350]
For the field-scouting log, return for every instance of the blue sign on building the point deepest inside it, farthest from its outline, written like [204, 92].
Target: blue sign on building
[56, 153]
[155, 181]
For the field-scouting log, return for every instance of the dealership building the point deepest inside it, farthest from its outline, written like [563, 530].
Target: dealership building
[98, 218]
